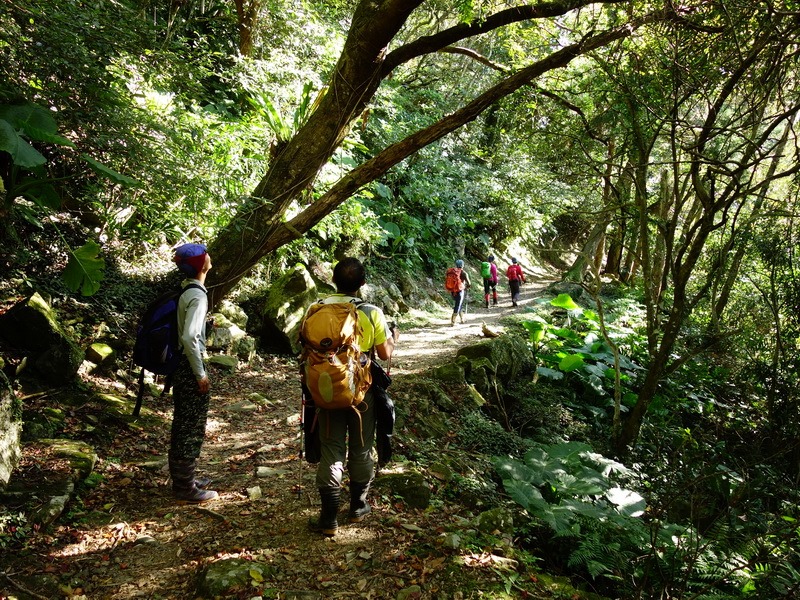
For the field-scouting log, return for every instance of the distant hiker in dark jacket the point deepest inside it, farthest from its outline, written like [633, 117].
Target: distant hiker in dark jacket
[515, 278]
[347, 437]
[190, 384]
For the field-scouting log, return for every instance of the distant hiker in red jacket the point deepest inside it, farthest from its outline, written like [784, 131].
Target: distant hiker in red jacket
[515, 278]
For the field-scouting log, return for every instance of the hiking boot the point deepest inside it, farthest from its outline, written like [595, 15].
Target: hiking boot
[184, 486]
[359, 506]
[487, 304]
[453, 320]
[326, 523]
[461, 316]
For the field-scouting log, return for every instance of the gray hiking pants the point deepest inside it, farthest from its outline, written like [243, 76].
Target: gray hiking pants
[341, 433]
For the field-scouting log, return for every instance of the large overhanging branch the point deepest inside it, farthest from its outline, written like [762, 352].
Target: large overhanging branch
[462, 31]
[382, 162]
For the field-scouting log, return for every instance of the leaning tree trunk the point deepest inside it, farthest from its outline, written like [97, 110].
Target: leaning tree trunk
[260, 226]
[354, 82]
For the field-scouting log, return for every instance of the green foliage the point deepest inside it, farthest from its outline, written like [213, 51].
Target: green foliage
[538, 411]
[21, 125]
[560, 482]
[481, 434]
[84, 270]
[14, 530]
[573, 490]
[577, 348]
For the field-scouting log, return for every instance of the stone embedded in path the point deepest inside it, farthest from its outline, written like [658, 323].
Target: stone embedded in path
[269, 471]
[242, 406]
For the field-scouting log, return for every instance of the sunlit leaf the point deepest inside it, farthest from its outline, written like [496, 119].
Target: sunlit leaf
[22, 153]
[109, 173]
[628, 503]
[564, 301]
[84, 270]
[550, 373]
[393, 229]
[571, 363]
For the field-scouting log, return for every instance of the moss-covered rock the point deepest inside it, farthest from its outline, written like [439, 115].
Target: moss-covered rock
[410, 486]
[101, 354]
[41, 424]
[286, 305]
[82, 457]
[233, 313]
[496, 520]
[508, 355]
[453, 373]
[10, 430]
[226, 361]
[31, 325]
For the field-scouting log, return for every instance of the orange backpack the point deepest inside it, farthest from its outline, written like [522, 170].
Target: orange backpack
[452, 280]
[334, 369]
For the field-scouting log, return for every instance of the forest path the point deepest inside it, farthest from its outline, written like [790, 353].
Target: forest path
[420, 348]
[126, 538]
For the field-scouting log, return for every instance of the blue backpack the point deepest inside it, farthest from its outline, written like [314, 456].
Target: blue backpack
[156, 348]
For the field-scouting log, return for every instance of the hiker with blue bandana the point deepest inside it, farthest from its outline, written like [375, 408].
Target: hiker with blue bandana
[191, 385]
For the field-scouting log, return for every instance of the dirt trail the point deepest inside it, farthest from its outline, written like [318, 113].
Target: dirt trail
[127, 539]
[421, 347]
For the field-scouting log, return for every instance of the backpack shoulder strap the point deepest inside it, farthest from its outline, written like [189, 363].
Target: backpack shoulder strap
[191, 286]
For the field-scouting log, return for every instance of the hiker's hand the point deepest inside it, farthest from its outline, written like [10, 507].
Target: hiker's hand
[203, 385]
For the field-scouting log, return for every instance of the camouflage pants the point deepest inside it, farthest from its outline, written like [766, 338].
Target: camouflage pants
[189, 414]
[341, 433]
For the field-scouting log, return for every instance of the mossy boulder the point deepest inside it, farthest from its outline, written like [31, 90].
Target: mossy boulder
[101, 354]
[226, 361]
[411, 487]
[31, 325]
[495, 520]
[233, 313]
[507, 356]
[41, 424]
[10, 430]
[285, 307]
[453, 373]
[82, 458]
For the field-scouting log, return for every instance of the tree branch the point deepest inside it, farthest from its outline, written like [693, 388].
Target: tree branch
[390, 156]
[462, 31]
[476, 56]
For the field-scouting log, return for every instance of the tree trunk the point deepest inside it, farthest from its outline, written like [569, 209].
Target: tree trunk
[260, 226]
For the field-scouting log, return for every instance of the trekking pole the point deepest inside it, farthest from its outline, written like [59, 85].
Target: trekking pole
[300, 453]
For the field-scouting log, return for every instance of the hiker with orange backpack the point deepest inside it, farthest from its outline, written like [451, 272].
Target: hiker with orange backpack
[347, 432]
[456, 281]
[515, 278]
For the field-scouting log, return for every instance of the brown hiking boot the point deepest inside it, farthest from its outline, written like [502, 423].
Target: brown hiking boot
[184, 486]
